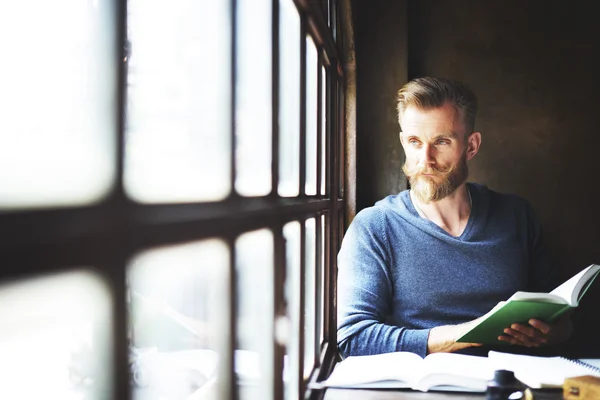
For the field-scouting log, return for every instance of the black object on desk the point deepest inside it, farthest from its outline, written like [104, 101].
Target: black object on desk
[504, 386]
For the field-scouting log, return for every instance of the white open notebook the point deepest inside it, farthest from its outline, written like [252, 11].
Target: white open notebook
[541, 372]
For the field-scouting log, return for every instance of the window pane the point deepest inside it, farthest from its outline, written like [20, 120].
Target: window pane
[323, 129]
[58, 102]
[55, 338]
[289, 99]
[253, 98]
[179, 307]
[178, 125]
[291, 233]
[309, 300]
[254, 353]
[311, 116]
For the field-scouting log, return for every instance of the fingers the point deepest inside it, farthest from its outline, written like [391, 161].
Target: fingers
[541, 326]
[523, 335]
[460, 346]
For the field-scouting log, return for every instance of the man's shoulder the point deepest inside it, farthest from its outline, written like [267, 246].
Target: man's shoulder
[378, 213]
[497, 197]
[502, 204]
[393, 203]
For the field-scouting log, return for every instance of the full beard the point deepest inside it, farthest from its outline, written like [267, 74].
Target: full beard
[443, 184]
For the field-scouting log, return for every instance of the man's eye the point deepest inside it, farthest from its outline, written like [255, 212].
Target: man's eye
[442, 143]
[414, 142]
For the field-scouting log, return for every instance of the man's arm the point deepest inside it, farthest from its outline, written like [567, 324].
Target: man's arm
[365, 293]
[442, 339]
[537, 333]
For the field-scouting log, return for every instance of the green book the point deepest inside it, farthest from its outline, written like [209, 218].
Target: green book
[523, 306]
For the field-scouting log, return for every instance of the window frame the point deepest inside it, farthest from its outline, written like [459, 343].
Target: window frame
[105, 235]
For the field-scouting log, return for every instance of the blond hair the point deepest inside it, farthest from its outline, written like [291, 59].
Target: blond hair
[428, 93]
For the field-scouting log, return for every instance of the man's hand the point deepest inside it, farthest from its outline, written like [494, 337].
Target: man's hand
[442, 339]
[538, 333]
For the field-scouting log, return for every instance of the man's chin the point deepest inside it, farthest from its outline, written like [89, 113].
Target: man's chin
[426, 181]
[424, 194]
[431, 192]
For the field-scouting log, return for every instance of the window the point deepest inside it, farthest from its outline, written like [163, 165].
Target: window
[49, 155]
[170, 208]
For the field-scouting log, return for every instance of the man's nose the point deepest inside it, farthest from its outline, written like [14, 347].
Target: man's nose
[427, 154]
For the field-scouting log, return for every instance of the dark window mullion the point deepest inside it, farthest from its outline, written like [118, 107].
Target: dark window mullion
[229, 356]
[340, 135]
[327, 133]
[318, 285]
[327, 267]
[123, 61]
[301, 312]
[279, 262]
[233, 34]
[319, 121]
[302, 183]
[333, 17]
[117, 270]
[275, 98]
[279, 278]
[121, 371]
[336, 232]
[336, 142]
[318, 28]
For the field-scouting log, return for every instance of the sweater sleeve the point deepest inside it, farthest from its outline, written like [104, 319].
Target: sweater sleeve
[365, 291]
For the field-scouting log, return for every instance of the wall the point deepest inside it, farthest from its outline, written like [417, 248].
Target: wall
[532, 65]
[381, 69]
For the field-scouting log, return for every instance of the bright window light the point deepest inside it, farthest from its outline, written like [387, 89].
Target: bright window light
[289, 99]
[312, 94]
[178, 308]
[179, 93]
[58, 102]
[56, 338]
[253, 98]
[255, 307]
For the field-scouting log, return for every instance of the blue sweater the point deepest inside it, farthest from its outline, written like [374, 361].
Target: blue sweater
[401, 275]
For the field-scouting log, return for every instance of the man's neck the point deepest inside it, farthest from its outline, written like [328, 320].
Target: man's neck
[451, 213]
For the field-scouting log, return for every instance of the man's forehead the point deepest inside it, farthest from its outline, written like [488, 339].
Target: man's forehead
[443, 119]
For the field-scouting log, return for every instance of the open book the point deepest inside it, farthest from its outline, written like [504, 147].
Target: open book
[438, 371]
[522, 306]
[543, 372]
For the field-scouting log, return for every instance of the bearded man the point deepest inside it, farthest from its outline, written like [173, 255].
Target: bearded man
[418, 268]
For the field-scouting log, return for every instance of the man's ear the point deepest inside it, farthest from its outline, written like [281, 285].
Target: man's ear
[473, 144]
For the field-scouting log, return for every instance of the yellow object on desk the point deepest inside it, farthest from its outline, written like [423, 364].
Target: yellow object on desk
[581, 387]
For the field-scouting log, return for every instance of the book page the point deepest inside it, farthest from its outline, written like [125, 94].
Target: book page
[357, 370]
[538, 372]
[594, 362]
[452, 369]
[570, 290]
[545, 297]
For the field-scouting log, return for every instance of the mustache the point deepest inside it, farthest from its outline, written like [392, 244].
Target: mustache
[415, 171]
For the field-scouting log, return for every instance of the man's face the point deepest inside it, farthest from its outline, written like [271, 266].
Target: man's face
[435, 144]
